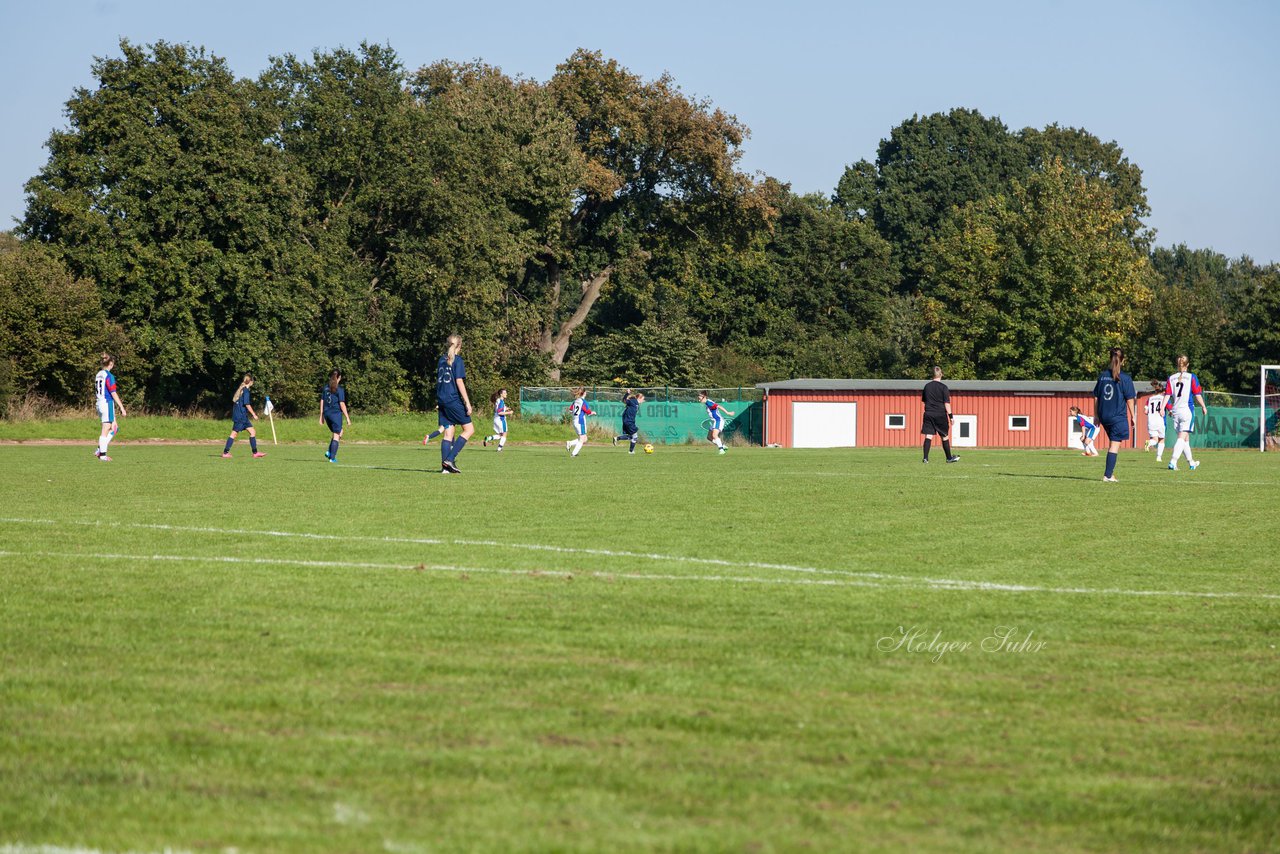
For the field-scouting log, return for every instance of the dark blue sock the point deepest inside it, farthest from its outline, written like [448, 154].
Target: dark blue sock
[446, 450]
[633, 445]
[333, 449]
[435, 433]
[230, 441]
[458, 445]
[1111, 463]
[253, 444]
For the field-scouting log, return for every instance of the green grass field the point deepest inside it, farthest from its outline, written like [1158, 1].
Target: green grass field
[767, 650]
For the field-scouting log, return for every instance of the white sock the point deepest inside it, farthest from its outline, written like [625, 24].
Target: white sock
[103, 441]
[1186, 449]
[577, 446]
[719, 444]
[502, 441]
[1159, 449]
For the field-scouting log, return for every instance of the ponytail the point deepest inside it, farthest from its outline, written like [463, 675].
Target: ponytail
[1117, 360]
[452, 345]
[107, 358]
[333, 381]
[248, 378]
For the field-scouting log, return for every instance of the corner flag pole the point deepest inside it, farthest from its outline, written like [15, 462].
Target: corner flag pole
[270, 410]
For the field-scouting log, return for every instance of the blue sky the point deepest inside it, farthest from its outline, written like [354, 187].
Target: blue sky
[1187, 89]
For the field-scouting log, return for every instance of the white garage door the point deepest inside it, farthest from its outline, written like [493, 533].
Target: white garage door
[824, 425]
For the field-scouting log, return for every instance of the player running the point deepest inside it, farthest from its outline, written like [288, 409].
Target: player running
[241, 413]
[716, 420]
[578, 412]
[1088, 430]
[107, 400]
[631, 407]
[500, 413]
[1179, 390]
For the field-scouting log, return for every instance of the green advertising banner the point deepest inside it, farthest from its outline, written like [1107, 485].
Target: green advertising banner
[661, 421]
[1229, 427]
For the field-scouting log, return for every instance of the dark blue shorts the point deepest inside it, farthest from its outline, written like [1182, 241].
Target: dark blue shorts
[238, 426]
[334, 422]
[629, 429]
[454, 413]
[1118, 430]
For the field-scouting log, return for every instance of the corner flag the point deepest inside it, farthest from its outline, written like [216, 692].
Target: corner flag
[267, 409]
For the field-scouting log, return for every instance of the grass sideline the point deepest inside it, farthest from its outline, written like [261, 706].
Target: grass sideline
[682, 651]
[402, 429]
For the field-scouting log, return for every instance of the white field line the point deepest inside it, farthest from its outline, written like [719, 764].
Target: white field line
[432, 541]
[60, 849]
[880, 582]
[436, 567]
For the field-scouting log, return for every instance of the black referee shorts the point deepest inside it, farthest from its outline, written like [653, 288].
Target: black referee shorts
[936, 425]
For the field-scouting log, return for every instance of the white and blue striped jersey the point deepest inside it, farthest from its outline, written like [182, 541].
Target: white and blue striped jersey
[713, 410]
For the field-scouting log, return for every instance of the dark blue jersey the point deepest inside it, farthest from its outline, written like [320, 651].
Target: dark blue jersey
[446, 377]
[1111, 396]
[629, 413]
[332, 401]
[239, 410]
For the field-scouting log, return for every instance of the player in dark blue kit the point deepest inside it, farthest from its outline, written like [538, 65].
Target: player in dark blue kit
[631, 407]
[1114, 408]
[241, 413]
[333, 408]
[455, 406]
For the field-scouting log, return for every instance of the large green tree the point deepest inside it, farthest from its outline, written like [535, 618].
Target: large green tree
[1190, 312]
[660, 176]
[495, 185]
[1034, 284]
[930, 165]
[1253, 337]
[52, 326]
[163, 191]
[346, 125]
[1083, 154]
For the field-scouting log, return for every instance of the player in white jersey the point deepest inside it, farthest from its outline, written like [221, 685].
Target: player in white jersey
[500, 413]
[578, 412]
[1155, 420]
[107, 400]
[1088, 430]
[1179, 391]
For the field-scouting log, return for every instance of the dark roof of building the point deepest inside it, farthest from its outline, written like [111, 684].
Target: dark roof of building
[1012, 386]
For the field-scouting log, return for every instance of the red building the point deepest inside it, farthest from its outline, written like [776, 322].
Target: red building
[887, 413]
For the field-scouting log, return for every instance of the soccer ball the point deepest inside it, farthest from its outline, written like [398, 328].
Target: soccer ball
[648, 449]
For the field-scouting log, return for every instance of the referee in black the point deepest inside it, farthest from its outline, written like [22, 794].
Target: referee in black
[937, 415]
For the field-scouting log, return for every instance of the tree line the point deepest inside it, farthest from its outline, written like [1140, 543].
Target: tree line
[343, 211]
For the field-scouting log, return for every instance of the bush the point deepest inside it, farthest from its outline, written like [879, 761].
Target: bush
[52, 326]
